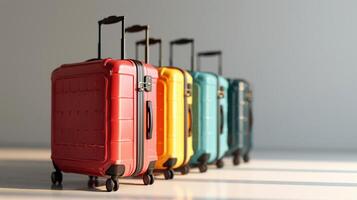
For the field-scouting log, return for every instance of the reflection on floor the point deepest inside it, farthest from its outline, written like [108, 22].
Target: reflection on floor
[25, 174]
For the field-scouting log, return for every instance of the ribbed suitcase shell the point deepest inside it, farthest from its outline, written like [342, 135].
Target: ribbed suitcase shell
[239, 118]
[94, 118]
[204, 116]
[174, 145]
[171, 119]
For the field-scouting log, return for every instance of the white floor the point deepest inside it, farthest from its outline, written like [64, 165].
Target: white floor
[25, 174]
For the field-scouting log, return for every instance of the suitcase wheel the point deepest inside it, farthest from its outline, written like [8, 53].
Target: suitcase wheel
[169, 174]
[246, 158]
[152, 179]
[148, 179]
[203, 168]
[56, 177]
[236, 160]
[185, 169]
[220, 164]
[93, 182]
[112, 184]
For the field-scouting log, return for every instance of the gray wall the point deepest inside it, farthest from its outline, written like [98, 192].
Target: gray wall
[300, 56]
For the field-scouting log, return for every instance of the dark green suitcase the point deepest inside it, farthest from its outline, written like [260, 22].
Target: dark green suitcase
[240, 120]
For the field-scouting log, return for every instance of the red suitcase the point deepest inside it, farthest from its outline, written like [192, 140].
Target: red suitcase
[104, 118]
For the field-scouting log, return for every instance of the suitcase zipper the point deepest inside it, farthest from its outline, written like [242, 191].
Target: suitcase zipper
[185, 117]
[140, 118]
[218, 119]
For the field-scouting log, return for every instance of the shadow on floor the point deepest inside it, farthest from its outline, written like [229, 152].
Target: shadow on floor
[28, 174]
[292, 170]
[268, 182]
[306, 156]
[111, 196]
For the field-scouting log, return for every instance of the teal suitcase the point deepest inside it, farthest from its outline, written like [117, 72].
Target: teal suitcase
[204, 115]
[240, 120]
[222, 109]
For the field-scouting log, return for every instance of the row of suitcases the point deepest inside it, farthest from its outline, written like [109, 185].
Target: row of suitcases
[125, 118]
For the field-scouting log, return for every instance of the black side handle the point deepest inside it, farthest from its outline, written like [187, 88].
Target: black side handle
[111, 20]
[190, 122]
[182, 41]
[221, 119]
[209, 54]
[152, 41]
[149, 119]
[250, 111]
[139, 28]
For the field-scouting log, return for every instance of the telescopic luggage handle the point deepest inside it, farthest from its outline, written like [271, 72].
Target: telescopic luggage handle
[111, 20]
[152, 41]
[138, 28]
[182, 41]
[208, 54]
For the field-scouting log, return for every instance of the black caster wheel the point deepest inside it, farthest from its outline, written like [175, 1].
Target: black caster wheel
[93, 182]
[148, 178]
[246, 158]
[56, 177]
[220, 164]
[152, 179]
[90, 184]
[185, 170]
[236, 160]
[116, 185]
[109, 184]
[169, 174]
[96, 182]
[203, 168]
[53, 178]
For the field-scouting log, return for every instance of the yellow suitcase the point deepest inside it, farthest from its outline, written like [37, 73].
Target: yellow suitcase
[174, 135]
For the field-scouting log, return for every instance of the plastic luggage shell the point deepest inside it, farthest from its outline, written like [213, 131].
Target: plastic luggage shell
[174, 143]
[240, 120]
[104, 117]
[219, 135]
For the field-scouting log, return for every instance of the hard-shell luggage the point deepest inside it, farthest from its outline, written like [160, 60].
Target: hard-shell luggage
[204, 115]
[174, 131]
[240, 120]
[222, 107]
[104, 117]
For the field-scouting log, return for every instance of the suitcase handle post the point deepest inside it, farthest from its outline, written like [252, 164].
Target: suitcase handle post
[139, 28]
[209, 54]
[152, 41]
[111, 20]
[182, 41]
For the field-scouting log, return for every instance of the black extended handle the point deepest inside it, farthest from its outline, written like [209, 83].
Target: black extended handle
[111, 20]
[139, 28]
[209, 54]
[149, 119]
[182, 41]
[152, 41]
[190, 115]
[221, 119]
